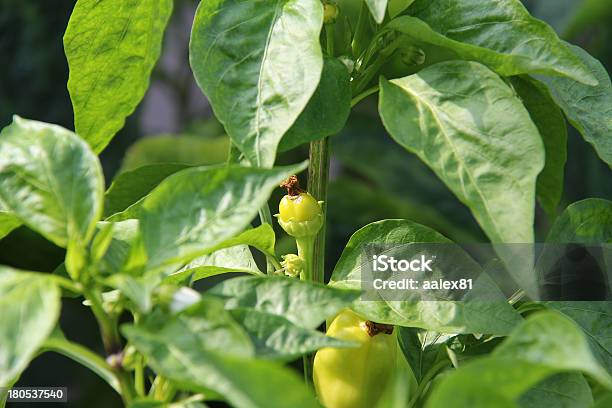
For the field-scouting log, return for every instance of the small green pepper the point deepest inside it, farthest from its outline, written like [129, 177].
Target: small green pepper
[301, 216]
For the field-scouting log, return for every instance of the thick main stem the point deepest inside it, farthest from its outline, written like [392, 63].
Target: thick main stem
[318, 177]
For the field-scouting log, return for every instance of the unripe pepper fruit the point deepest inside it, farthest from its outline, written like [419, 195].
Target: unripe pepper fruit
[301, 216]
[355, 377]
[299, 213]
[302, 207]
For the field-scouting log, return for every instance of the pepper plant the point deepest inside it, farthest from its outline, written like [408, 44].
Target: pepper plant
[479, 90]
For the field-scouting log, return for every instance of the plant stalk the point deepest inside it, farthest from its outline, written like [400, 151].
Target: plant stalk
[318, 177]
[108, 329]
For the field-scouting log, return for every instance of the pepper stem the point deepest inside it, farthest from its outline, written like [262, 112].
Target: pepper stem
[305, 247]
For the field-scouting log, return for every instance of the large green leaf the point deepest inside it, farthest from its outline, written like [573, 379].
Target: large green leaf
[51, 180]
[30, 305]
[565, 390]
[131, 186]
[276, 338]
[111, 47]
[258, 62]
[588, 108]
[327, 110]
[501, 35]
[196, 209]
[551, 125]
[588, 222]
[482, 313]
[551, 339]
[363, 142]
[306, 304]
[545, 344]
[182, 350]
[466, 124]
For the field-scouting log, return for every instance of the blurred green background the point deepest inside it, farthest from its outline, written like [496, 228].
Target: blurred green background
[371, 177]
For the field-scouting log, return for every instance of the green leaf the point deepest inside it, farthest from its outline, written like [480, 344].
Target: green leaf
[604, 402]
[139, 289]
[305, 304]
[378, 9]
[551, 125]
[197, 361]
[131, 186]
[276, 338]
[595, 319]
[486, 312]
[59, 344]
[501, 35]
[111, 47]
[8, 222]
[588, 108]
[545, 344]
[588, 222]
[51, 180]
[327, 110]
[175, 149]
[193, 211]
[30, 305]
[120, 254]
[232, 255]
[397, 6]
[363, 142]
[258, 62]
[550, 339]
[423, 350]
[469, 127]
[203, 325]
[235, 259]
[566, 390]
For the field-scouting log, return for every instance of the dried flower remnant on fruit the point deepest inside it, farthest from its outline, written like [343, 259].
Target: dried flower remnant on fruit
[373, 328]
[292, 184]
